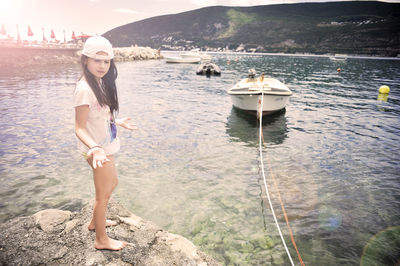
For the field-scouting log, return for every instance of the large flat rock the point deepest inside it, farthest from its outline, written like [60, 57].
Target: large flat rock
[55, 237]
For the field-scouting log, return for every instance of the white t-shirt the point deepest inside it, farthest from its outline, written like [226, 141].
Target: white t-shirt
[99, 120]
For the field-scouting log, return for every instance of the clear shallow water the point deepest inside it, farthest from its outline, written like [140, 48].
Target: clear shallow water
[193, 166]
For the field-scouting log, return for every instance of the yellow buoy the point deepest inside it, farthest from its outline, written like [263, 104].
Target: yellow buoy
[383, 97]
[384, 89]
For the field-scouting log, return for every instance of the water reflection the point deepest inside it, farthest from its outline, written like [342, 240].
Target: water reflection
[192, 167]
[243, 127]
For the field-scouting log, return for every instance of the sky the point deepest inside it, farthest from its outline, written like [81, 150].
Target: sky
[98, 16]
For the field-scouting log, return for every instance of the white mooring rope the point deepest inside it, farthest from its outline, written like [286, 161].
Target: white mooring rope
[260, 110]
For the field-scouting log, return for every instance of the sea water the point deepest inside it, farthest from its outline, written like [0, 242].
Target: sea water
[193, 166]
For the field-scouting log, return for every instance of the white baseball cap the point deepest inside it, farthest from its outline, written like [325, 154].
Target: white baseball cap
[96, 44]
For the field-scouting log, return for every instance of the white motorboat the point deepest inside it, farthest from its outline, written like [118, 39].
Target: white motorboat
[196, 53]
[338, 57]
[187, 60]
[246, 94]
[191, 53]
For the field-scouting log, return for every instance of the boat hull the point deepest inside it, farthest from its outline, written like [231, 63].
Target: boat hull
[183, 60]
[208, 69]
[250, 102]
[337, 58]
[246, 95]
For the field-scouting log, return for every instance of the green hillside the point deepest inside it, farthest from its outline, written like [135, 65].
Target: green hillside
[360, 27]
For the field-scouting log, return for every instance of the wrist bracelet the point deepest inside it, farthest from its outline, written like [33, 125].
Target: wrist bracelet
[95, 146]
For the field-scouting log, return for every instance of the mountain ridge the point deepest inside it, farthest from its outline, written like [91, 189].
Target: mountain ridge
[366, 27]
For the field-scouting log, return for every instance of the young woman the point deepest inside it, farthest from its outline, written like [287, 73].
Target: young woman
[96, 104]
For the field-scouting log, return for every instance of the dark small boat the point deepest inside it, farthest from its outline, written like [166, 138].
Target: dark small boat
[208, 69]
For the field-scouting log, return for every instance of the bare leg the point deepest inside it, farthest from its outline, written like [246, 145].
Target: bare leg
[105, 180]
[108, 223]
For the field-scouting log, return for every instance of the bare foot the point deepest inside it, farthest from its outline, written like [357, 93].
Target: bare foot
[108, 223]
[110, 244]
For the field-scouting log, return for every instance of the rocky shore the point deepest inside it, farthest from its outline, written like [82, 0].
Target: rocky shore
[25, 56]
[56, 237]
[134, 53]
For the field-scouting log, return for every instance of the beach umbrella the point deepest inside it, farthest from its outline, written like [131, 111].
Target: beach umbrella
[30, 33]
[3, 30]
[73, 37]
[53, 36]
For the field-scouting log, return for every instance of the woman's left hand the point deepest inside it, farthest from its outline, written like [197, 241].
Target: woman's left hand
[124, 122]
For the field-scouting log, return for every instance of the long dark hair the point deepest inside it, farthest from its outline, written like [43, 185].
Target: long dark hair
[106, 94]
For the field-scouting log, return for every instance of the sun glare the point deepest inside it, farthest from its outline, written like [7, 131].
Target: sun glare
[6, 7]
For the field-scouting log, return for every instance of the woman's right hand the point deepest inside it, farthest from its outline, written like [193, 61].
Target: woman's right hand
[99, 156]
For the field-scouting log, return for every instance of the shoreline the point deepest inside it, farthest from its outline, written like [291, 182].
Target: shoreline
[285, 54]
[27, 56]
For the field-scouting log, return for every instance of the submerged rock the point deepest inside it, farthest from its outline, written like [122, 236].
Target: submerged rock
[55, 237]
